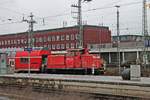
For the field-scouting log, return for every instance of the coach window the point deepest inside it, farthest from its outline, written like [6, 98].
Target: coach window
[62, 37]
[72, 36]
[67, 37]
[24, 60]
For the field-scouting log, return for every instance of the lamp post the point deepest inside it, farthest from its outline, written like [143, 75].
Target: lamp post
[145, 32]
[118, 36]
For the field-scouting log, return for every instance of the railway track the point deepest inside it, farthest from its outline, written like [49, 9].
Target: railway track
[17, 92]
[79, 87]
[58, 95]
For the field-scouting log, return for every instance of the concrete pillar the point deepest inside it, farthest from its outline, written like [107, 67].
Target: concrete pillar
[137, 55]
[137, 58]
[109, 58]
[123, 57]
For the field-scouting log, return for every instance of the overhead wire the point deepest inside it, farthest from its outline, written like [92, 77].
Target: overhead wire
[67, 13]
[99, 8]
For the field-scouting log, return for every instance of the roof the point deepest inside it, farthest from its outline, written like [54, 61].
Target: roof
[127, 35]
[33, 53]
[56, 29]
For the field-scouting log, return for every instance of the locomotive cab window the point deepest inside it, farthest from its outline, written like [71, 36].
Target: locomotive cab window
[24, 60]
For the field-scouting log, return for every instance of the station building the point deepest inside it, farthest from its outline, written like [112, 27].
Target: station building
[131, 49]
[57, 39]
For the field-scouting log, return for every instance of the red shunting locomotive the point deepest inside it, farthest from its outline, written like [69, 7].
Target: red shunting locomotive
[74, 60]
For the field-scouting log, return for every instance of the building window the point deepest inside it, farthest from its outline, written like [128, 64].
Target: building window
[67, 45]
[45, 39]
[62, 46]
[53, 46]
[72, 45]
[76, 36]
[57, 38]
[67, 37]
[29, 40]
[49, 38]
[45, 45]
[22, 41]
[62, 37]
[12, 42]
[25, 41]
[8, 42]
[49, 46]
[77, 45]
[40, 39]
[36, 40]
[18, 41]
[58, 46]
[53, 38]
[2, 43]
[33, 40]
[5, 42]
[72, 36]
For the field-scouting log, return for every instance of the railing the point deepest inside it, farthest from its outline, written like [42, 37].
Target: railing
[123, 45]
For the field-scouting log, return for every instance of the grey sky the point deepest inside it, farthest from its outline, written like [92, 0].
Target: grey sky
[130, 16]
